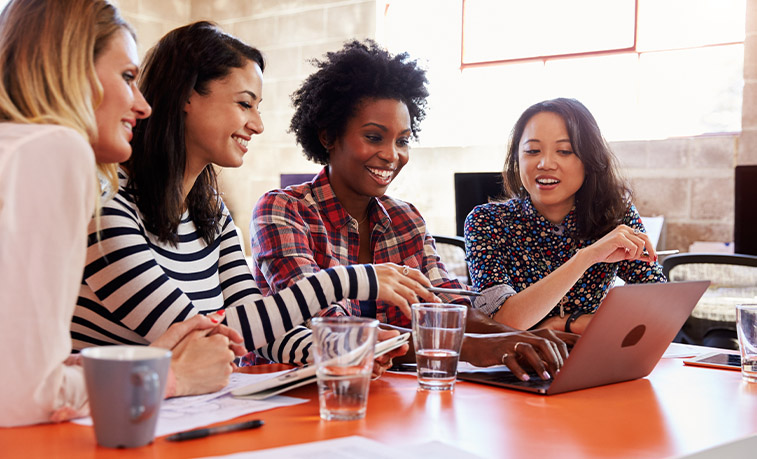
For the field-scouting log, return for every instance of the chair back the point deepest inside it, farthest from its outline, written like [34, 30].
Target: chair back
[451, 249]
[733, 280]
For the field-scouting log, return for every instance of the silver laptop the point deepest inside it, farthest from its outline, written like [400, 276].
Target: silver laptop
[626, 338]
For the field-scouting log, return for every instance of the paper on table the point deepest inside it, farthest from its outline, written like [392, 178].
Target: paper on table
[679, 351]
[355, 447]
[184, 413]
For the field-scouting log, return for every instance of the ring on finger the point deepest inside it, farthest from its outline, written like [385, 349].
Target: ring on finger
[636, 231]
[516, 346]
[505, 356]
[405, 270]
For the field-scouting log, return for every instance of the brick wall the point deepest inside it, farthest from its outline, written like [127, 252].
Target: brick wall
[748, 145]
[688, 180]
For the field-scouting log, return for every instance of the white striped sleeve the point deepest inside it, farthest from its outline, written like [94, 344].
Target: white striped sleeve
[262, 320]
[127, 271]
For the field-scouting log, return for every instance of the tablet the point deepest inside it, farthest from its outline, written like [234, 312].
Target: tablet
[301, 376]
[716, 360]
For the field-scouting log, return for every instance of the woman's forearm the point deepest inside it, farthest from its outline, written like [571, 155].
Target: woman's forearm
[528, 307]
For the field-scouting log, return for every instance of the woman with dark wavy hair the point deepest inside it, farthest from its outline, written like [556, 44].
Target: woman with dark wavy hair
[548, 256]
[168, 249]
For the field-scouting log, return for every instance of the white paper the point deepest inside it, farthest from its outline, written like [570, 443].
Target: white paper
[185, 413]
[355, 447]
[681, 351]
[742, 448]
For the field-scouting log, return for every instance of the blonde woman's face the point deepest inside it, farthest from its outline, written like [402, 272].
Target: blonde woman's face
[122, 104]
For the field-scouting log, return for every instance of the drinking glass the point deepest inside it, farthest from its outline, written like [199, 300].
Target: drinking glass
[746, 327]
[344, 362]
[438, 331]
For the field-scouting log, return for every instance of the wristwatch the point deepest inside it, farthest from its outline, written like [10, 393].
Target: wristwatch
[572, 319]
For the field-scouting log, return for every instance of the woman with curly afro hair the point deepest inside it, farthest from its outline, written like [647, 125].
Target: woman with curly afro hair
[356, 115]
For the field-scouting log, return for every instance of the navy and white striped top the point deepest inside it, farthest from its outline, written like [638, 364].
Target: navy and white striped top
[135, 287]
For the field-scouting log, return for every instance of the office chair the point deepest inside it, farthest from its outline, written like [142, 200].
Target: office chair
[451, 250]
[733, 280]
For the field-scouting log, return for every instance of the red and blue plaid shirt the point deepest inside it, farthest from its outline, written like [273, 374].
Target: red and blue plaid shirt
[304, 228]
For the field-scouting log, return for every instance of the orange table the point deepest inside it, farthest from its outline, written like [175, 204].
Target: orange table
[676, 410]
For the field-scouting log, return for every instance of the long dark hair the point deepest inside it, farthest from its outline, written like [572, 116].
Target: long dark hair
[604, 197]
[185, 59]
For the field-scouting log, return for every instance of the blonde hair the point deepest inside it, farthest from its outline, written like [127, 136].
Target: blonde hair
[48, 50]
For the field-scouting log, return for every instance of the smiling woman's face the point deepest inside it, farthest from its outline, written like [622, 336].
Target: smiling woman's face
[372, 150]
[122, 104]
[220, 123]
[550, 170]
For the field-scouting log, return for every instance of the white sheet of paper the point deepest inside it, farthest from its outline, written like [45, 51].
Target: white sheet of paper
[185, 413]
[355, 447]
[680, 351]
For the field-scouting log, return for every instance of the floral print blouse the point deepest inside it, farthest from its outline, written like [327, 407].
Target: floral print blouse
[510, 246]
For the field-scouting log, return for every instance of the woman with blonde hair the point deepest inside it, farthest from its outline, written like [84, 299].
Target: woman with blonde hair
[68, 100]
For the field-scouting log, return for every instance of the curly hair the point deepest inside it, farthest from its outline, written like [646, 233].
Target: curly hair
[604, 197]
[186, 59]
[329, 97]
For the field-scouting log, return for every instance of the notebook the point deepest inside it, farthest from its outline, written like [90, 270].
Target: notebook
[626, 338]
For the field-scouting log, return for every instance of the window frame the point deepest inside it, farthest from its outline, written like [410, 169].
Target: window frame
[605, 52]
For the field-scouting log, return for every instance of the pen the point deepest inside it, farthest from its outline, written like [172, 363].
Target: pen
[207, 431]
[453, 291]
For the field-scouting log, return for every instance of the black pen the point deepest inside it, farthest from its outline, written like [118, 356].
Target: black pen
[207, 431]
[453, 291]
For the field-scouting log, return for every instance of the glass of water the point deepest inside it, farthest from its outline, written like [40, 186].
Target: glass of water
[746, 327]
[438, 331]
[344, 363]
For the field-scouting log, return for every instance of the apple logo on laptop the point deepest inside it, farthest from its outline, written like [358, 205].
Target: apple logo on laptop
[634, 336]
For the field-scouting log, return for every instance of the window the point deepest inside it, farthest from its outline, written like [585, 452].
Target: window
[647, 69]
[501, 31]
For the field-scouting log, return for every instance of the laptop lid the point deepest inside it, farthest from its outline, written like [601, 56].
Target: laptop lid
[624, 340]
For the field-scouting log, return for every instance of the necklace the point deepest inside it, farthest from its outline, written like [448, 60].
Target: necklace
[360, 222]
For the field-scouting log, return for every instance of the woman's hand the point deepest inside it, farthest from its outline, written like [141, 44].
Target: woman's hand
[383, 363]
[403, 286]
[563, 340]
[622, 243]
[516, 350]
[202, 354]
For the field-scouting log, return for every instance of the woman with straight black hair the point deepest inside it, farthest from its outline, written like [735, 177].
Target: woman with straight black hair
[169, 249]
[547, 257]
